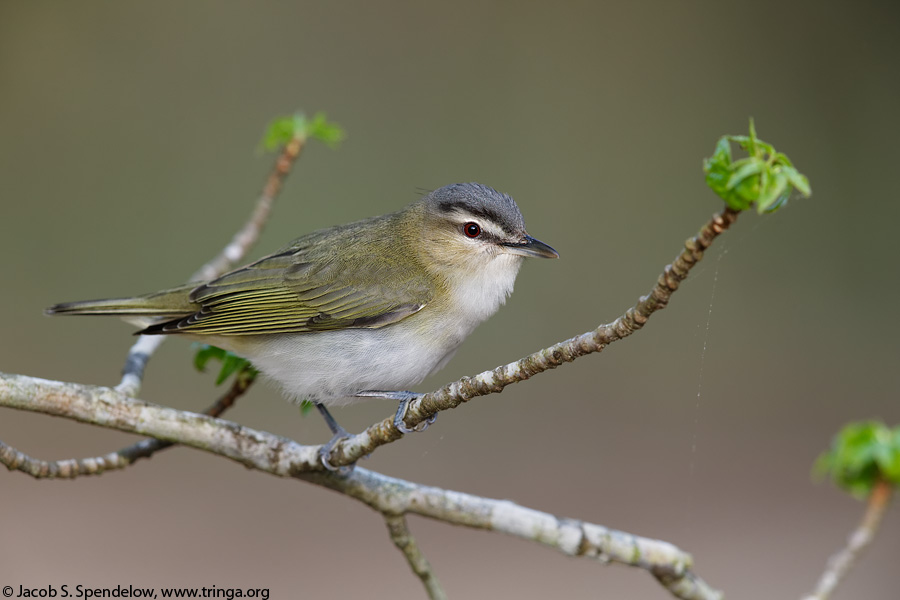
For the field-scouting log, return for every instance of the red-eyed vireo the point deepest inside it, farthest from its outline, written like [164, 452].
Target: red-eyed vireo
[373, 305]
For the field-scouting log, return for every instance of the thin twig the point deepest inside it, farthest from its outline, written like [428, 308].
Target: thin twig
[841, 563]
[406, 543]
[247, 236]
[452, 395]
[235, 251]
[72, 468]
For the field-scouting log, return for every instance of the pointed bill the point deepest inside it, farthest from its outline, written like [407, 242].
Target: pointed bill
[531, 247]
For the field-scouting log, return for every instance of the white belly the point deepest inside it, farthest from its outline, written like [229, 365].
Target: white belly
[330, 367]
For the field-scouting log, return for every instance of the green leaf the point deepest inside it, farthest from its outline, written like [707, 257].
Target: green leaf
[860, 455]
[282, 130]
[231, 363]
[891, 467]
[751, 147]
[719, 171]
[306, 407]
[204, 354]
[780, 158]
[331, 134]
[765, 177]
[722, 154]
[749, 167]
[798, 180]
[774, 194]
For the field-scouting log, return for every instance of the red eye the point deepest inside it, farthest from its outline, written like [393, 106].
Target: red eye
[472, 230]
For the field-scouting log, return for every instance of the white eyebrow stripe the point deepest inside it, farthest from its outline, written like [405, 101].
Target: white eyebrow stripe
[487, 225]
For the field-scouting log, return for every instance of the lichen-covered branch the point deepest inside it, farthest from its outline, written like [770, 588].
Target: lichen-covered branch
[235, 251]
[285, 458]
[398, 529]
[107, 407]
[669, 565]
[77, 467]
[452, 395]
[841, 563]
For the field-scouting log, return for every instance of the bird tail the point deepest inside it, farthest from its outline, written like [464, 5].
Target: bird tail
[168, 303]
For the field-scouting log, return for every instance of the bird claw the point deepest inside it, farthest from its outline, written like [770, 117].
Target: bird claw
[405, 398]
[422, 426]
[399, 422]
[338, 433]
[325, 454]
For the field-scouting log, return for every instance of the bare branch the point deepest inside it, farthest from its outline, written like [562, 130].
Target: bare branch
[669, 565]
[138, 356]
[72, 468]
[452, 395]
[285, 458]
[406, 543]
[235, 251]
[107, 407]
[841, 563]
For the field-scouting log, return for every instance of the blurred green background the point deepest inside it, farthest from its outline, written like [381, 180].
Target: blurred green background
[128, 158]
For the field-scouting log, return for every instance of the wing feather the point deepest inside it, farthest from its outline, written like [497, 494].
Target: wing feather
[292, 292]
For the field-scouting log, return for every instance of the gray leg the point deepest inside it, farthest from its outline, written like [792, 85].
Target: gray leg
[405, 398]
[338, 434]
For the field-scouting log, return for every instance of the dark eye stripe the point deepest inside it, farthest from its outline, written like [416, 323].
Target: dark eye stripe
[467, 210]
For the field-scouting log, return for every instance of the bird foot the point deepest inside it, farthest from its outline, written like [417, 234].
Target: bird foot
[404, 398]
[338, 434]
[325, 453]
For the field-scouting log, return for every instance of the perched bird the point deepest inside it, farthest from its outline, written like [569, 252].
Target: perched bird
[343, 312]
